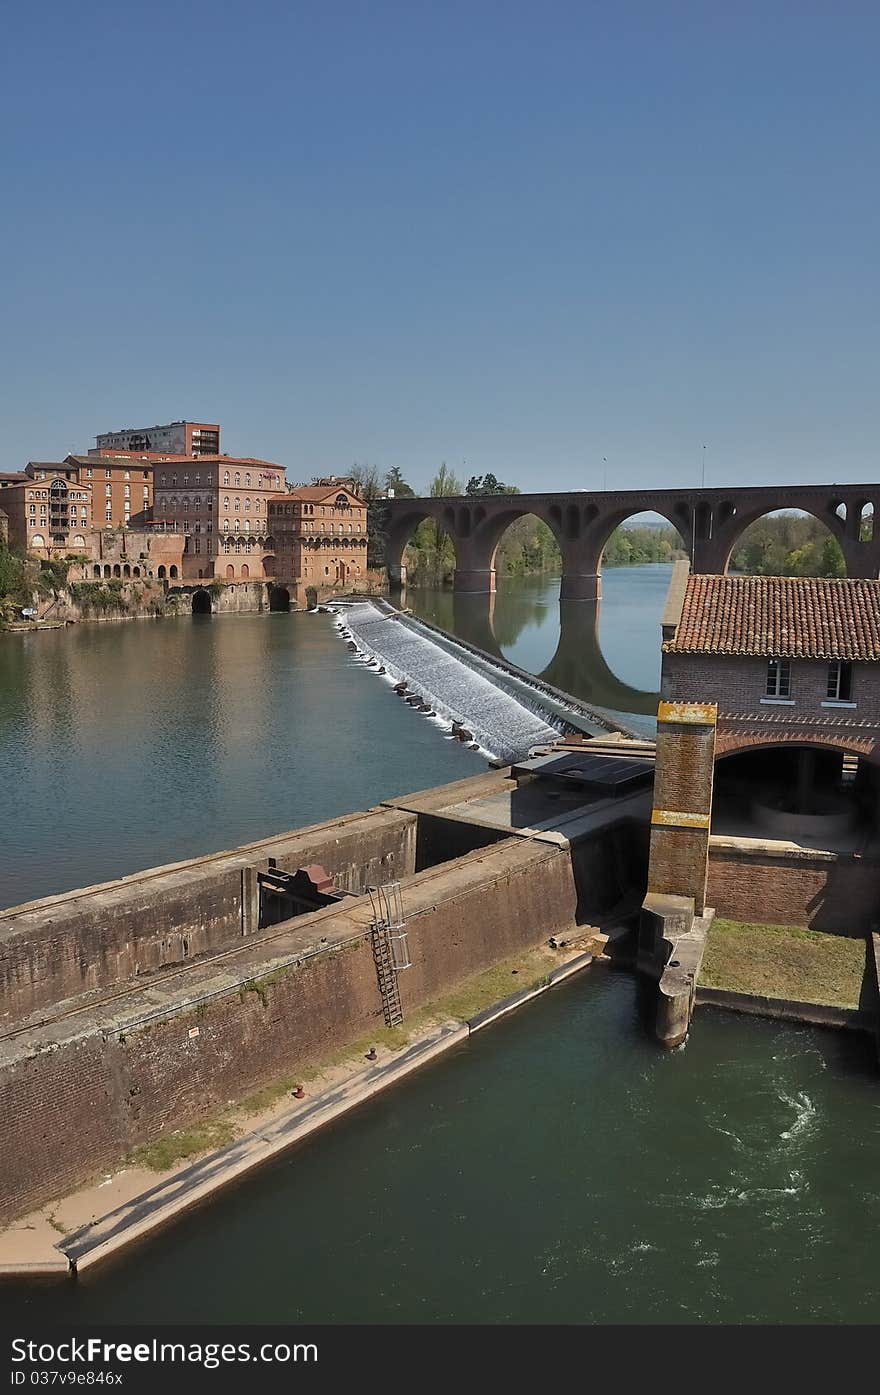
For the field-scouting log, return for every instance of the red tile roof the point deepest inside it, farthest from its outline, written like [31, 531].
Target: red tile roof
[787, 617]
[314, 493]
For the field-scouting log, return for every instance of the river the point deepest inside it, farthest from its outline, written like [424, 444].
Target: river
[558, 1169]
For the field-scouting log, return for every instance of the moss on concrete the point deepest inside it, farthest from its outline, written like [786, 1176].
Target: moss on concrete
[782, 961]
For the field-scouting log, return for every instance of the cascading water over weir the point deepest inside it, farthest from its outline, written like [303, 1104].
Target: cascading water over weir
[504, 726]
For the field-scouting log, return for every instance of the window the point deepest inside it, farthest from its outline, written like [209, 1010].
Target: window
[226, 477]
[840, 680]
[247, 480]
[107, 474]
[778, 678]
[127, 475]
[161, 479]
[128, 491]
[198, 479]
[237, 478]
[89, 473]
[247, 505]
[226, 504]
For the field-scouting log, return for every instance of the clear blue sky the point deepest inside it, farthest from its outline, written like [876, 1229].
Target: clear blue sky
[519, 236]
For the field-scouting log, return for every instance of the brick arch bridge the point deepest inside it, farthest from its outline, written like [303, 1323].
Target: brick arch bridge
[710, 521]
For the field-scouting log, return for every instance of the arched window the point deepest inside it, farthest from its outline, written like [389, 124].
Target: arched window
[247, 481]
[161, 478]
[225, 476]
[79, 541]
[237, 505]
[247, 525]
[226, 503]
[247, 505]
[226, 525]
[38, 540]
[197, 502]
[258, 506]
[237, 478]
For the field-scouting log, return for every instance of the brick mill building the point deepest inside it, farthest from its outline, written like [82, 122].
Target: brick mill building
[221, 504]
[768, 750]
[320, 534]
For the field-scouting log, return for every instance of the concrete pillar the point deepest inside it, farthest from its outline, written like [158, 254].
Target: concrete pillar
[250, 900]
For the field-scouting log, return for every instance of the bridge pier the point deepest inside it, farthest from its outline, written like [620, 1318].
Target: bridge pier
[581, 586]
[474, 581]
[397, 575]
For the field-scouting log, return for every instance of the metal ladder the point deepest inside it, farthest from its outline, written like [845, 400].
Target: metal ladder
[390, 948]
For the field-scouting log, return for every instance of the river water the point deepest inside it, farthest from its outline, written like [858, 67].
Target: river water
[560, 1168]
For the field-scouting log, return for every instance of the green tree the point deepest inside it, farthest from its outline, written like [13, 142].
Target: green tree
[394, 480]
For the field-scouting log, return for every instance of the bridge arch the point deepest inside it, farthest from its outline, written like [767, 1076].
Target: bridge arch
[733, 538]
[446, 517]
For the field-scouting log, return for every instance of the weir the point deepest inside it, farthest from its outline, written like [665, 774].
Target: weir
[504, 711]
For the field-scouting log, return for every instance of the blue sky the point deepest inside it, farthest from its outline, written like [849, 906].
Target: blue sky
[512, 237]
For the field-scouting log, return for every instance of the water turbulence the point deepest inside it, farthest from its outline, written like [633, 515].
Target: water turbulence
[503, 726]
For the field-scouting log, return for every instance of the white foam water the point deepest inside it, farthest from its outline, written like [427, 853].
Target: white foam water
[503, 727]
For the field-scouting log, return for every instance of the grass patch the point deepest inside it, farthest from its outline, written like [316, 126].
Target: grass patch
[184, 1143]
[783, 961]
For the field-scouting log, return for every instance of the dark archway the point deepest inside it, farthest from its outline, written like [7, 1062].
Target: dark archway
[201, 603]
[816, 794]
[161, 573]
[279, 599]
[172, 572]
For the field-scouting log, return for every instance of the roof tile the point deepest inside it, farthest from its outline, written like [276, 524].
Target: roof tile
[788, 617]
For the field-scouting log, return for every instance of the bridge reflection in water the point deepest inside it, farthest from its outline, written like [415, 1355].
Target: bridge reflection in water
[517, 623]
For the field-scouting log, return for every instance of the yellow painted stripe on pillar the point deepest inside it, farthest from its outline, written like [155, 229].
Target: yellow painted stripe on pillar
[671, 818]
[703, 714]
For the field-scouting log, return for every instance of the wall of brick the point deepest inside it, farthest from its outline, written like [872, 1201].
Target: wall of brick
[72, 1110]
[738, 684]
[820, 891]
[65, 945]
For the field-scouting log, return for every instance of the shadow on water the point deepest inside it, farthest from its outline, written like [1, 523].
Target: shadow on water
[566, 642]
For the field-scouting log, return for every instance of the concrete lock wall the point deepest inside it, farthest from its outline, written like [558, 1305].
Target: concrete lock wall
[822, 891]
[64, 945]
[74, 1104]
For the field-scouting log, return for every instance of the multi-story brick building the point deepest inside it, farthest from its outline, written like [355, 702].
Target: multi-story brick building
[221, 503]
[49, 513]
[320, 535]
[198, 438]
[122, 487]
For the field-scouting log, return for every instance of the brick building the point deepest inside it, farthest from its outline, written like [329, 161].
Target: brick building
[221, 504]
[49, 512]
[194, 438]
[122, 487]
[787, 826]
[320, 534]
[788, 660]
